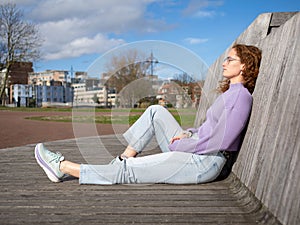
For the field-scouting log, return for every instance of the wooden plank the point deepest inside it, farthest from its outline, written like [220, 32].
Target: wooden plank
[28, 197]
[280, 18]
[268, 161]
[274, 126]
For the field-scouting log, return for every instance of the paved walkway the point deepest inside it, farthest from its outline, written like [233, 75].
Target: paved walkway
[28, 197]
[16, 130]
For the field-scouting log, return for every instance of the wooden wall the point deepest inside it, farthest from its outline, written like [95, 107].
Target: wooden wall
[269, 160]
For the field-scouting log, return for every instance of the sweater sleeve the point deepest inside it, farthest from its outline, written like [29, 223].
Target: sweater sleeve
[220, 137]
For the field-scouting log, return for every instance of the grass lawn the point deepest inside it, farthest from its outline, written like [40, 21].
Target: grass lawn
[185, 117]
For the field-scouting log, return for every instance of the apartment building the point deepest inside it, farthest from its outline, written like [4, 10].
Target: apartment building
[20, 94]
[53, 95]
[47, 77]
[24, 95]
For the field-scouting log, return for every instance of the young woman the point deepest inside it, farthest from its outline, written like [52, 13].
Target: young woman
[188, 156]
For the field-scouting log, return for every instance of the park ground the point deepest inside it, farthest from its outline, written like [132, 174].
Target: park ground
[16, 129]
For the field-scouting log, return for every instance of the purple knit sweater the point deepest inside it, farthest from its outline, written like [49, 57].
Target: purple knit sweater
[225, 121]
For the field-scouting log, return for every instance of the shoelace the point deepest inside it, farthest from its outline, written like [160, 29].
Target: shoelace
[57, 157]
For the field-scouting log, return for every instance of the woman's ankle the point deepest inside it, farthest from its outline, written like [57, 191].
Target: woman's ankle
[62, 166]
[70, 168]
[129, 152]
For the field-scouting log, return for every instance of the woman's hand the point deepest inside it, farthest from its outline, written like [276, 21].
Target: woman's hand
[179, 137]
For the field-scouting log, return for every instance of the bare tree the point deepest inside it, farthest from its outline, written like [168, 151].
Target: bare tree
[123, 69]
[183, 79]
[136, 90]
[19, 41]
[191, 88]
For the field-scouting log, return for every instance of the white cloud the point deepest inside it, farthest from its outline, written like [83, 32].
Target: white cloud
[202, 14]
[194, 41]
[84, 45]
[25, 2]
[201, 8]
[67, 25]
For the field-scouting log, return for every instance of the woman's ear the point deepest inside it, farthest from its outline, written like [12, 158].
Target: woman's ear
[242, 67]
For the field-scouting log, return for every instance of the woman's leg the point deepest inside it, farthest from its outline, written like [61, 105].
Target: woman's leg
[70, 168]
[129, 152]
[155, 121]
[168, 167]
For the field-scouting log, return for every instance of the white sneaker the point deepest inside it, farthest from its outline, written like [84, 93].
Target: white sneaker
[49, 161]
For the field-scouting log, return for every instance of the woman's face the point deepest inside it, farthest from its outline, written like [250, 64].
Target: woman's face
[232, 67]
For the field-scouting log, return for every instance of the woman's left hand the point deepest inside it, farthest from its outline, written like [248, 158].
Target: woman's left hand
[179, 137]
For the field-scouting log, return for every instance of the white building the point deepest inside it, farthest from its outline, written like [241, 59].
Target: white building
[21, 93]
[96, 96]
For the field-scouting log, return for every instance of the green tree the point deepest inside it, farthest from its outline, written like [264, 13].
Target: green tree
[19, 41]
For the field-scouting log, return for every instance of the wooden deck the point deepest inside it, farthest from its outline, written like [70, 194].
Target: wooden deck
[28, 197]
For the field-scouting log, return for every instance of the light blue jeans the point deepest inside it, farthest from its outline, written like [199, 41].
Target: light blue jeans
[165, 167]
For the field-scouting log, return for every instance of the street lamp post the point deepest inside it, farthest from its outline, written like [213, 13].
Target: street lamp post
[152, 61]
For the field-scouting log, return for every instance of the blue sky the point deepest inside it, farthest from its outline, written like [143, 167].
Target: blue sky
[78, 32]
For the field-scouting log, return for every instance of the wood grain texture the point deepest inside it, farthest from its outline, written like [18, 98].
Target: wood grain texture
[272, 141]
[268, 163]
[28, 197]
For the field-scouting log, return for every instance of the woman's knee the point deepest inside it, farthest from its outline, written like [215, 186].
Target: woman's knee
[156, 109]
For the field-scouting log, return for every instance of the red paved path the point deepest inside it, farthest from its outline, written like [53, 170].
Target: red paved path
[15, 130]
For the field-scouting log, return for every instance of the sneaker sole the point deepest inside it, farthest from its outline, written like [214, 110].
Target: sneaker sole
[49, 172]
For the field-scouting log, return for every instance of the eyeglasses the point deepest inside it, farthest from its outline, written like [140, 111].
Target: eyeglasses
[230, 59]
